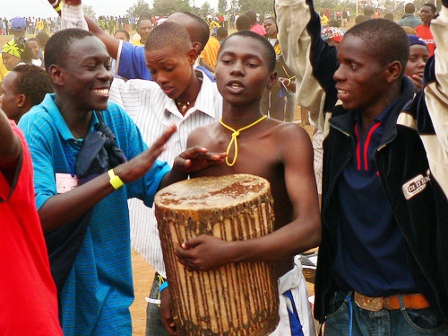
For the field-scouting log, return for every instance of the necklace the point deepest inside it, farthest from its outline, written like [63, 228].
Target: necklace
[234, 138]
[184, 107]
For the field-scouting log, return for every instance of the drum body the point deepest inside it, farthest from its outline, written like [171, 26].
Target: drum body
[236, 299]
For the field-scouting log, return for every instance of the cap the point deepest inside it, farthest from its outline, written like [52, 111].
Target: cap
[414, 39]
[332, 33]
[18, 23]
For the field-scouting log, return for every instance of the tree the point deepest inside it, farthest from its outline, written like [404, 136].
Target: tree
[234, 7]
[167, 7]
[205, 9]
[259, 6]
[138, 7]
[89, 12]
[222, 6]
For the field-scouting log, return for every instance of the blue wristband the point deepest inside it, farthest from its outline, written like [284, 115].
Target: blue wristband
[163, 286]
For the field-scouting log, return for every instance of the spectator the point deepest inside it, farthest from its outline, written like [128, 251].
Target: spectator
[427, 13]
[254, 25]
[409, 19]
[28, 294]
[23, 87]
[418, 56]
[243, 23]
[92, 266]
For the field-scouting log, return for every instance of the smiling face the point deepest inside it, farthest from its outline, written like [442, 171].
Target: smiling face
[86, 76]
[242, 72]
[170, 68]
[361, 78]
[418, 56]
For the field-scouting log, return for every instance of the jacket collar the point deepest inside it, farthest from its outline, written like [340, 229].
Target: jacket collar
[343, 119]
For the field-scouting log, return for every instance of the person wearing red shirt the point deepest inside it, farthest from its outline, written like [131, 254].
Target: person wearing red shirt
[427, 13]
[28, 294]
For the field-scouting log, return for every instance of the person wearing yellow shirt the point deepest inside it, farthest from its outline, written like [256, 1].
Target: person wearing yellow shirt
[323, 20]
[3, 70]
[210, 53]
[144, 27]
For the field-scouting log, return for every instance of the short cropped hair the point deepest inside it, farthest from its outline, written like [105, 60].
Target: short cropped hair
[389, 16]
[35, 39]
[43, 38]
[369, 11]
[143, 18]
[169, 34]
[222, 33]
[432, 6]
[252, 16]
[409, 8]
[269, 50]
[125, 32]
[201, 32]
[243, 23]
[390, 40]
[58, 45]
[33, 82]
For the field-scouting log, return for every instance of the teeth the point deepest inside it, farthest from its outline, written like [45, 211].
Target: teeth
[103, 92]
[342, 91]
[235, 86]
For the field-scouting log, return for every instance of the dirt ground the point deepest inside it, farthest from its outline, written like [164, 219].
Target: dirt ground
[144, 274]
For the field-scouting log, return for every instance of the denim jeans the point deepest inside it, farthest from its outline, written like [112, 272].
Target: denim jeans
[154, 326]
[346, 318]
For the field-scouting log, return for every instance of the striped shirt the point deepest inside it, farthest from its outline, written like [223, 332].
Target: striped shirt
[152, 111]
[96, 297]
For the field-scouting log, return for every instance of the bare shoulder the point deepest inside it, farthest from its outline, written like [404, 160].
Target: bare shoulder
[289, 132]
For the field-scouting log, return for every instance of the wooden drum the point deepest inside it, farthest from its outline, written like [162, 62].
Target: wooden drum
[236, 299]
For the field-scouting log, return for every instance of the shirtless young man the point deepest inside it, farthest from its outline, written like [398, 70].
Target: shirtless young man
[277, 151]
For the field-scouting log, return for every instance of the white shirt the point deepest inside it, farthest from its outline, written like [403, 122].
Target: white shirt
[153, 111]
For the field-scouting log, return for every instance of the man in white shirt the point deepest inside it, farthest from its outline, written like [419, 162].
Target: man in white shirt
[178, 94]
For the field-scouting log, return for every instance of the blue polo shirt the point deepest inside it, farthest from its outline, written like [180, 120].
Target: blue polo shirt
[132, 64]
[371, 257]
[96, 297]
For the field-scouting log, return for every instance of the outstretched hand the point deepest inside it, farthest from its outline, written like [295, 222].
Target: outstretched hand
[139, 165]
[197, 158]
[203, 253]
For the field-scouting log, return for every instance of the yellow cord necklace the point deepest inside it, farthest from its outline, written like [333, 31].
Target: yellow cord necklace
[234, 138]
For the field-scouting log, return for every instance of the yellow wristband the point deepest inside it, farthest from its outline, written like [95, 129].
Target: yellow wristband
[114, 180]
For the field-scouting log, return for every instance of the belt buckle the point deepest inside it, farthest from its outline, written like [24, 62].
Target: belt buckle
[373, 304]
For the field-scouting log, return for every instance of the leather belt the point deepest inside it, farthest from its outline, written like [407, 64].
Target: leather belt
[411, 301]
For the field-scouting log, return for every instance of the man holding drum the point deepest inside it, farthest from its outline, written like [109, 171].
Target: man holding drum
[277, 151]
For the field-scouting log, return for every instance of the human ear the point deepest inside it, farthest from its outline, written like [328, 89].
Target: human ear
[192, 55]
[21, 100]
[56, 75]
[272, 80]
[393, 71]
[197, 46]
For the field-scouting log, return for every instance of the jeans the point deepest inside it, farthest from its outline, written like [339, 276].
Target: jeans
[154, 326]
[355, 321]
